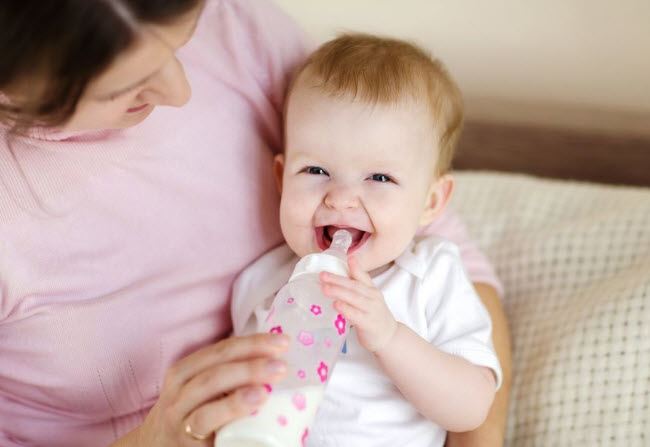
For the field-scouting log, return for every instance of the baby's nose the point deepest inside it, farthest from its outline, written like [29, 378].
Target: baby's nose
[342, 197]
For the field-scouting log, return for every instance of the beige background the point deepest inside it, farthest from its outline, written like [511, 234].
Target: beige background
[575, 63]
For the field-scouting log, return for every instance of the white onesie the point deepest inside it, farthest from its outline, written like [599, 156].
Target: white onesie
[427, 290]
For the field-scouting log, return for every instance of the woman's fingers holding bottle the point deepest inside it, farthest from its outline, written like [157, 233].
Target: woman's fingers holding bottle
[165, 426]
[212, 380]
[222, 379]
[224, 351]
[207, 419]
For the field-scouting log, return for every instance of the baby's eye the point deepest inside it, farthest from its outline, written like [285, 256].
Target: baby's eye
[382, 178]
[315, 170]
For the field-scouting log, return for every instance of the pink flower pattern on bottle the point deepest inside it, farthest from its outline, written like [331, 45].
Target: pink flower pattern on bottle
[340, 324]
[299, 401]
[306, 338]
[322, 371]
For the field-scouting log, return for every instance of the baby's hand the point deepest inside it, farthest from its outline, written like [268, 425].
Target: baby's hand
[362, 304]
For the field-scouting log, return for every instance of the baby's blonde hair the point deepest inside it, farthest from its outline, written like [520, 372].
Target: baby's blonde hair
[383, 70]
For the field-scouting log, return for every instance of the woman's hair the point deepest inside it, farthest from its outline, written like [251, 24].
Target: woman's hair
[51, 50]
[385, 71]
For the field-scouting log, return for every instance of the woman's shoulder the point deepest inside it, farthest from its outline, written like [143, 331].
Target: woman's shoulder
[252, 47]
[255, 32]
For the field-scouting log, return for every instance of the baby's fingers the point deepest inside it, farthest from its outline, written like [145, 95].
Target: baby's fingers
[356, 272]
[351, 284]
[353, 315]
[342, 293]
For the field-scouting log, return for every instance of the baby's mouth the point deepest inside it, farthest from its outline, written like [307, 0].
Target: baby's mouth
[325, 234]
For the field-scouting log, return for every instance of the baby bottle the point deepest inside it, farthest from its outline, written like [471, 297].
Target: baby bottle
[317, 333]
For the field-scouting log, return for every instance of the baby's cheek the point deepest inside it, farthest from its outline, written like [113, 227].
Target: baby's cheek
[299, 234]
[396, 238]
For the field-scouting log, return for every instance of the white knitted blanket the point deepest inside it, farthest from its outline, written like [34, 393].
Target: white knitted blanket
[575, 262]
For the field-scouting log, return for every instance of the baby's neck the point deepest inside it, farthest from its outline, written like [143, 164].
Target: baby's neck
[379, 270]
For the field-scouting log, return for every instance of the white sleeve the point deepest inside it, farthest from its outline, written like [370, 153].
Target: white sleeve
[458, 323]
[255, 288]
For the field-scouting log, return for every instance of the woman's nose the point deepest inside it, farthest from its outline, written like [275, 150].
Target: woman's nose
[341, 197]
[169, 87]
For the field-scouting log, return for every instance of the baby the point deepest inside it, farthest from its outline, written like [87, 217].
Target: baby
[371, 126]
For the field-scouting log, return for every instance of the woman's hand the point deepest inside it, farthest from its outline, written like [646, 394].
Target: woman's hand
[211, 387]
[362, 304]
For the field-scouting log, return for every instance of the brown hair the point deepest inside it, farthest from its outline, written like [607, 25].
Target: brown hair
[52, 50]
[383, 70]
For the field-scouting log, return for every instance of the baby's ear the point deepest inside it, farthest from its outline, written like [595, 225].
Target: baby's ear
[278, 170]
[437, 198]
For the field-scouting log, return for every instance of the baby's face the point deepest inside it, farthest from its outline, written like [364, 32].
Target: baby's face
[349, 164]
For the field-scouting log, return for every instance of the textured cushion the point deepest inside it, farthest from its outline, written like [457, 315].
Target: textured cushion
[575, 262]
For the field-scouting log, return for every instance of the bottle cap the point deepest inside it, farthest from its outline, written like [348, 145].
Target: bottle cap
[320, 262]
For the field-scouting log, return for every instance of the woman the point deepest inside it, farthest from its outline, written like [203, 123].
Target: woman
[127, 207]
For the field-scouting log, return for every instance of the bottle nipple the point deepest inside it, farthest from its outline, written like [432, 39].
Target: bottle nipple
[341, 242]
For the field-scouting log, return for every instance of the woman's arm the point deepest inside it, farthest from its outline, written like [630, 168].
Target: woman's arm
[492, 432]
[467, 390]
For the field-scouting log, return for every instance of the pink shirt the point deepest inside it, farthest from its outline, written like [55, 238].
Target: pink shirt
[118, 249]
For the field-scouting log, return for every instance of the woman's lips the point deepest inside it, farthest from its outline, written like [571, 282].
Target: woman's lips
[137, 109]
